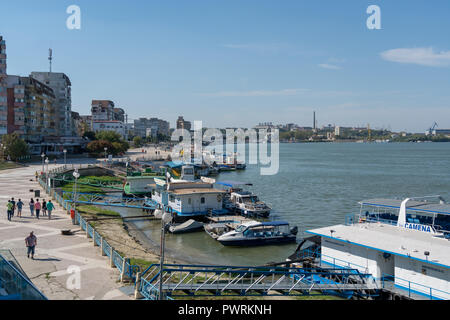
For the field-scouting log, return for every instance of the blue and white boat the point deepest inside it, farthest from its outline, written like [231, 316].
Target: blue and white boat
[188, 199]
[403, 243]
[259, 233]
[243, 202]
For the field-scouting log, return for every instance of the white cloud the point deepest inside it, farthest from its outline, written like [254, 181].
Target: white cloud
[420, 56]
[329, 66]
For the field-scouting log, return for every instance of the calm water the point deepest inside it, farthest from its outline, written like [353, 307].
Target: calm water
[316, 186]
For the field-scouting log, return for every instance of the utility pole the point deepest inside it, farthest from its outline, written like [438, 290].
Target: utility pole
[50, 58]
[126, 127]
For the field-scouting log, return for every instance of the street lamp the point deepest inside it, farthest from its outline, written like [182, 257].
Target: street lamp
[43, 156]
[74, 194]
[165, 219]
[65, 151]
[105, 152]
[46, 171]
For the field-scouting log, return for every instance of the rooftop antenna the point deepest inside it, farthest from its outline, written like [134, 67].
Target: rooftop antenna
[50, 57]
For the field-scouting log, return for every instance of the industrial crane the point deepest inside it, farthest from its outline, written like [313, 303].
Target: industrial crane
[431, 130]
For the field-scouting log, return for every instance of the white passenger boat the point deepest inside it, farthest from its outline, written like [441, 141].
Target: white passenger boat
[259, 233]
[403, 244]
[249, 204]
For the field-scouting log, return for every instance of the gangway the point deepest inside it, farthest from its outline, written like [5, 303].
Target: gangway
[108, 200]
[117, 185]
[202, 280]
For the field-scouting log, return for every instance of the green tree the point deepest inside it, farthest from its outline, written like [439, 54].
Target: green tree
[110, 136]
[97, 147]
[137, 141]
[14, 147]
[90, 135]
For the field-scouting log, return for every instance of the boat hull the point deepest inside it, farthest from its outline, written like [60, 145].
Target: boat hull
[240, 242]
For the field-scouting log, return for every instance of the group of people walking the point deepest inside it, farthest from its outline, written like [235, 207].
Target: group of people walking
[36, 208]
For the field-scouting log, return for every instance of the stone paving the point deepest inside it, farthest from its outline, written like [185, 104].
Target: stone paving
[55, 253]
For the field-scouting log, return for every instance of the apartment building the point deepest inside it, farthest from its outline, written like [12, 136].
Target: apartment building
[61, 86]
[182, 124]
[3, 89]
[144, 127]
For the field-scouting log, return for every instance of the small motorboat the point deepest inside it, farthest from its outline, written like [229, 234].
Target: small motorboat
[189, 226]
[260, 233]
[215, 230]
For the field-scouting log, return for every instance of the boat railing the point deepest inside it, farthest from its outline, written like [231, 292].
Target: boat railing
[315, 253]
[353, 219]
[412, 288]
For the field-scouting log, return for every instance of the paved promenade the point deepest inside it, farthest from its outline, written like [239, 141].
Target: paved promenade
[55, 253]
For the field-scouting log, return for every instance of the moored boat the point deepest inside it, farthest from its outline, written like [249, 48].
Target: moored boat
[259, 233]
[189, 226]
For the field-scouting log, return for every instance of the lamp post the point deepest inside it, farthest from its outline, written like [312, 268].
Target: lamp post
[43, 156]
[105, 152]
[65, 151]
[166, 218]
[74, 194]
[46, 169]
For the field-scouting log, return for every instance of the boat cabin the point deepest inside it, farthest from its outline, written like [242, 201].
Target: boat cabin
[403, 244]
[188, 198]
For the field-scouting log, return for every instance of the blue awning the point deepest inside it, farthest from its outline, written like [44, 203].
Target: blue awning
[231, 184]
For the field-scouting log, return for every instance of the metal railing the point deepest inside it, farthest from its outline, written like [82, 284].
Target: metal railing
[413, 289]
[387, 281]
[15, 285]
[206, 280]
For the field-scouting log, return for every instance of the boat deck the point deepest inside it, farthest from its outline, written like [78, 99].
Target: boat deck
[399, 241]
[230, 221]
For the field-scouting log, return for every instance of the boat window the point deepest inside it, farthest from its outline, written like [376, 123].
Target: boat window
[189, 200]
[240, 228]
[251, 199]
[202, 200]
[249, 233]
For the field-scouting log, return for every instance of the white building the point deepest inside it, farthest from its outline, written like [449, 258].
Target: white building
[116, 126]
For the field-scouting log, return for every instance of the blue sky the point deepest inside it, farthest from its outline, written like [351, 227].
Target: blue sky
[237, 63]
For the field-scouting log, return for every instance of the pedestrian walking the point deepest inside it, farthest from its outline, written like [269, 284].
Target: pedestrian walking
[14, 206]
[31, 242]
[9, 207]
[31, 204]
[37, 208]
[50, 208]
[19, 208]
[44, 208]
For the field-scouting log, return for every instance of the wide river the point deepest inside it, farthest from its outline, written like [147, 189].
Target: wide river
[317, 185]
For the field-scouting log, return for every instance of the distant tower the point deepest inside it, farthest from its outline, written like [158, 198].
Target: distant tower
[50, 57]
[314, 120]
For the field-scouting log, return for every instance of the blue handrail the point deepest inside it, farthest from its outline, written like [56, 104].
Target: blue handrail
[16, 284]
